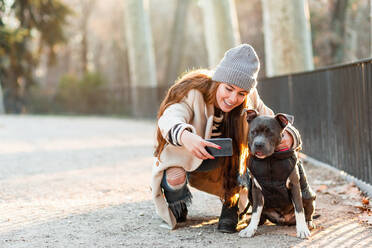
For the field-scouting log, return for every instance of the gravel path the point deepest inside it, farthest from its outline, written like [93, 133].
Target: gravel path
[84, 182]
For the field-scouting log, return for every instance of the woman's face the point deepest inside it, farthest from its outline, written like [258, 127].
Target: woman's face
[229, 96]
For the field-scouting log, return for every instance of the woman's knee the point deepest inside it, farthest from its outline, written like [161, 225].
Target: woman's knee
[175, 177]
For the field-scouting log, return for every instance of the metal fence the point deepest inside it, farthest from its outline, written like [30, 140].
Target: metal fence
[333, 112]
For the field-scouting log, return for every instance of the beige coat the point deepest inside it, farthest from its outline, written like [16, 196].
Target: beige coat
[194, 111]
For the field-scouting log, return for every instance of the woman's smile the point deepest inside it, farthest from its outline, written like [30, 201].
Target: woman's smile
[229, 105]
[229, 96]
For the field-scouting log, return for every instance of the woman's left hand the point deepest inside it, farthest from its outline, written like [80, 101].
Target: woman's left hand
[286, 143]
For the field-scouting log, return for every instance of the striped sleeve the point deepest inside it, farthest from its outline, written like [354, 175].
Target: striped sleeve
[297, 142]
[174, 134]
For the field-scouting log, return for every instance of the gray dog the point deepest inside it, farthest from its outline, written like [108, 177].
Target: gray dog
[278, 189]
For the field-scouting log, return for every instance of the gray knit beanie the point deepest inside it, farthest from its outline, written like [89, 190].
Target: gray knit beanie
[239, 67]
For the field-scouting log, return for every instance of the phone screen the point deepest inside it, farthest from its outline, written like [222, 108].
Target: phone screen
[224, 143]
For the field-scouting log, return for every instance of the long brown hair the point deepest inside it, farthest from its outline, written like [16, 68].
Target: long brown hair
[233, 126]
[197, 79]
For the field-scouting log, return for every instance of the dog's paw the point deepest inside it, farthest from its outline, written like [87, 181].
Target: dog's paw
[248, 232]
[311, 225]
[303, 232]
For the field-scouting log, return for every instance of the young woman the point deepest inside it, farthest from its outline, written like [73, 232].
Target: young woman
[203, 104]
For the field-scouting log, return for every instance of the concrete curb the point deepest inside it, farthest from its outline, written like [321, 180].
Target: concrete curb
[363, 186]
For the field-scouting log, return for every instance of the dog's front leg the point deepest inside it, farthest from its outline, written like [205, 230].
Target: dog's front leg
[301, 226]
[257, 206]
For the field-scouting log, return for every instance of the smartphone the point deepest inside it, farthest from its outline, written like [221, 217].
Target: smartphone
[225, 144]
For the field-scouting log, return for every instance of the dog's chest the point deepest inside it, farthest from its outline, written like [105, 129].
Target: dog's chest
[272, 174]
[272, 169]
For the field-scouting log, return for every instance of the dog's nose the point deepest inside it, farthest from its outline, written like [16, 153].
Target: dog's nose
[259, 145]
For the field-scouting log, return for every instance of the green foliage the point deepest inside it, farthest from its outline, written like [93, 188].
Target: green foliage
[85, 95]
[2, 8]
[45, 16]
[88, 94]
[17, 57]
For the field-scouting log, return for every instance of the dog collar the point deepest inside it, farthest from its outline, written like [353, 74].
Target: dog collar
[282, 150]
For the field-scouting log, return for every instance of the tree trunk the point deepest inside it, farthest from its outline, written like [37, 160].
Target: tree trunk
[338, 27]
[175, 51]
[86, 11]
[141, 58]
[220, 28]
[370, 29]
[287, 34]
[2, 108]
[84, 52]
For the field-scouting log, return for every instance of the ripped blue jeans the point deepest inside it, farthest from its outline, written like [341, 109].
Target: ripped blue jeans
[177, 198]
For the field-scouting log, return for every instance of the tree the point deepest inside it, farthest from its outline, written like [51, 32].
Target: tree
[287, 35]
[2, 10]
[177, 40]
[38, 18]
[141, 58]
[338, 22]
[220, 28]
[86, 11]
[2, 108]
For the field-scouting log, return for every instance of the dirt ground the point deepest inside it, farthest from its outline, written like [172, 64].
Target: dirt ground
[84, 182]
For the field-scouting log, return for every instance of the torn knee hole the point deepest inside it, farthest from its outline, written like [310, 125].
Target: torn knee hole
[176, 177]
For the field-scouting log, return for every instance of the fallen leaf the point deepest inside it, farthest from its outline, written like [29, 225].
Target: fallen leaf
[322, 188]
[365, 201]
[366, 218]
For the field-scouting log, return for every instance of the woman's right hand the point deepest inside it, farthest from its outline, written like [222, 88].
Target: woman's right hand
[196, 145]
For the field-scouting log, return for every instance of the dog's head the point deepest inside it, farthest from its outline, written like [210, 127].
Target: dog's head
[265, 132]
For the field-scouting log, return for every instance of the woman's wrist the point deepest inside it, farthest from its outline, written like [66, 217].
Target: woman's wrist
[184, 132]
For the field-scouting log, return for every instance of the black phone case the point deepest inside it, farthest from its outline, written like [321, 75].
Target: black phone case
[224, 143]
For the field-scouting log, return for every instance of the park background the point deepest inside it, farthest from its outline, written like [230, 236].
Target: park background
[81, 83]
[88, 56]
[118, 58]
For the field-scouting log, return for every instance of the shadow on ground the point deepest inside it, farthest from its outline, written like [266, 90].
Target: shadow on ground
[136, 225]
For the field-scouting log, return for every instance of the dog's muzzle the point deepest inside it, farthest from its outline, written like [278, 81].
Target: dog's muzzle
[261, 147]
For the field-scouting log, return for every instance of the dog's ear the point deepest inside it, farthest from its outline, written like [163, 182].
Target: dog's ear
[284, 119]
[250, 114]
